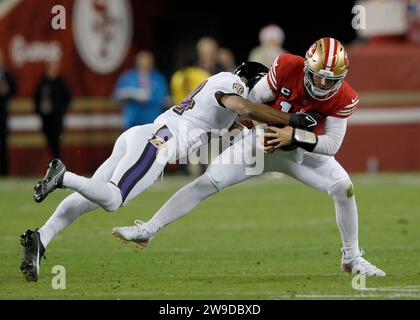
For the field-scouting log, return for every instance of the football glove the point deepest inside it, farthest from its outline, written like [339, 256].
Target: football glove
[305, 120]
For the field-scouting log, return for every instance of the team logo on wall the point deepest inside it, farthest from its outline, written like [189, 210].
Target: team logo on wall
[102, 31]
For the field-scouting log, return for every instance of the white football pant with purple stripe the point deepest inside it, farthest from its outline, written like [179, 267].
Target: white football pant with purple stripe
[138, 158]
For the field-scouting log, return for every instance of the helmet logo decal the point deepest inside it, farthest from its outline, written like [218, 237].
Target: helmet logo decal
[312, 51]
[346, 59]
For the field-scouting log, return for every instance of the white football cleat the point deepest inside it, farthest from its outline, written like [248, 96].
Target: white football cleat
[359, 265]
[136, 233]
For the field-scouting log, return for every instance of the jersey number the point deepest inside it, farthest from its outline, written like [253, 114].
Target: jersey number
[188, 103]
[286, 106]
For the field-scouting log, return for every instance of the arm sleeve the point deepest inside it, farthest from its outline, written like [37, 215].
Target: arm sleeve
[266, 89]
[348, 109]
[262, 92]
[227, 85]
[329, 143]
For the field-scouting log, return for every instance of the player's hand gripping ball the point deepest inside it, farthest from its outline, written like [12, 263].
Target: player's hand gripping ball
[282, 139]
[268, 148]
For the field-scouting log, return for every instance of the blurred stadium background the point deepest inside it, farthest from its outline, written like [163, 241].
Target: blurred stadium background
[384, 134]
[100, 43]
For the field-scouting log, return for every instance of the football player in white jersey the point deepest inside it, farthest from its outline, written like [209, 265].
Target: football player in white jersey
[140, 154]
[314, 83]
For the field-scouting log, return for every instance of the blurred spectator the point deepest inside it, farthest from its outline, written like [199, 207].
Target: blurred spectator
[52, 98]
[226, 59]
[7, 90]
[142, 91]
[188, 78]
[185, 80]
[271, 45]
[207, 50]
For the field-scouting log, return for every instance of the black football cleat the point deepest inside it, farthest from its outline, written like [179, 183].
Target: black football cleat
[33, 250]
[53, 179]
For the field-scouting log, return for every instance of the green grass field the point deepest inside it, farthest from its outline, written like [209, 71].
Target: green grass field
[263, 239]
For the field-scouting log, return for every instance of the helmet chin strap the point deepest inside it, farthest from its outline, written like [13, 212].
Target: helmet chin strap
[312, 89]
[319, 98]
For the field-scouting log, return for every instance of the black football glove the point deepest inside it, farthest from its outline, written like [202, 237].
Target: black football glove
[305, 120]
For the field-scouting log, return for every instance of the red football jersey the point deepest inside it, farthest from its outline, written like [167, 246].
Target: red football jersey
[286, 78]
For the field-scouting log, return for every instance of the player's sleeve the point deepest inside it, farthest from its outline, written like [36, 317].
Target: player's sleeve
[330, 142]
[262, 93]
[228, 85]
[273, 76]
[347, 106]
[336, 123]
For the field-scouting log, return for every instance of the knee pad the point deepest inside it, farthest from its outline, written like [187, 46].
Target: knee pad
[116, 201]
[343, 188]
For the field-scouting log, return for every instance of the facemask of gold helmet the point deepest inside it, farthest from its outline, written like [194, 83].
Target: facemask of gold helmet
[326, 58]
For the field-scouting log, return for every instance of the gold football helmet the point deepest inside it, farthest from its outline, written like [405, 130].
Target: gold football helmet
[326, 58]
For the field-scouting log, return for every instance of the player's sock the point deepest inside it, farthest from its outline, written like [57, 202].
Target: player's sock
[105, 194]
[67, 211]
[346, 216]
[181, 203]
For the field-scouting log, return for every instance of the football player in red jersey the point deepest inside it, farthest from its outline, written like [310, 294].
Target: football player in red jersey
[314, 83]
[311, 84]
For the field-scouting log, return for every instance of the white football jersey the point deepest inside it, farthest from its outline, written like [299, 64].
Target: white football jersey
[200, 113]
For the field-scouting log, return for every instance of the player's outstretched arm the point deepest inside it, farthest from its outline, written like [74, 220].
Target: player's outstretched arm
[255, 111]
[264, 113]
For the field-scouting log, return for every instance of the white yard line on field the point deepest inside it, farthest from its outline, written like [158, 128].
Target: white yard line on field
[350, 296]
[272, 295]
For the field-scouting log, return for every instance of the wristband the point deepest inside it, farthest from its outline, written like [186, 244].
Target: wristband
[304, 139]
